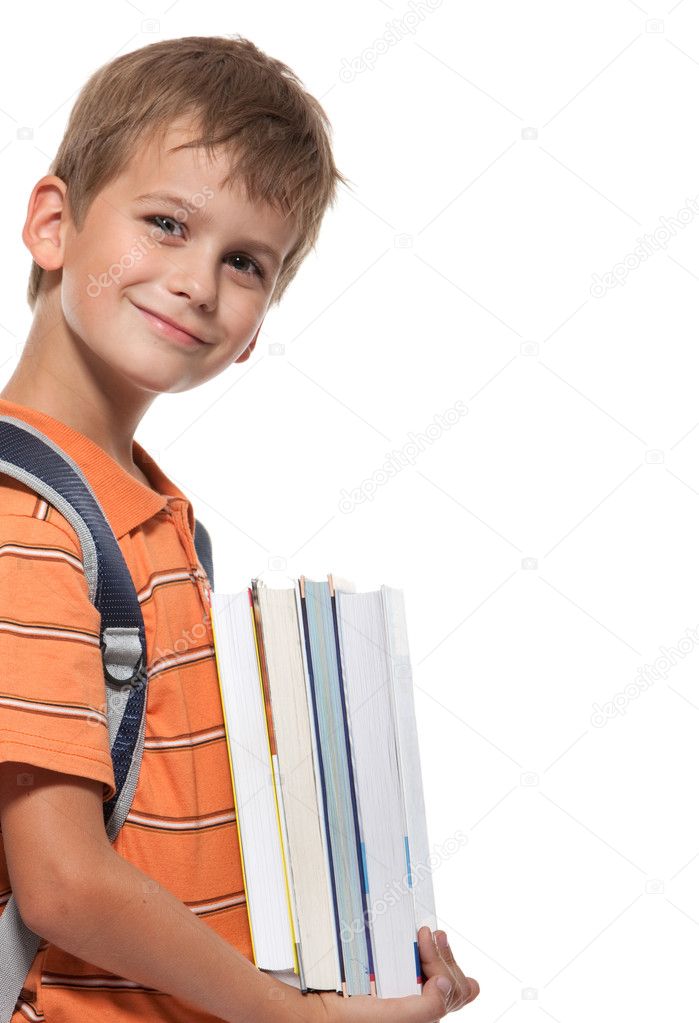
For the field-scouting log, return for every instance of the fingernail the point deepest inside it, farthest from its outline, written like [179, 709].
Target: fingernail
[443, 984]
[442, 939]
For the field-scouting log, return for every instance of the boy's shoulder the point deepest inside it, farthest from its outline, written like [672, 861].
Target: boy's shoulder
[42, 570]
[24, 513]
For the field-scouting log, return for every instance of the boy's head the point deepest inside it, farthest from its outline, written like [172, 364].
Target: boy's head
[229, 132]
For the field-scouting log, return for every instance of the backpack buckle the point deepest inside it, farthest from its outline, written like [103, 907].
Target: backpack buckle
[122, 655]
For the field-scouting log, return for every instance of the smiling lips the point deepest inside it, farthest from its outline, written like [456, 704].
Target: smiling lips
[171, 328]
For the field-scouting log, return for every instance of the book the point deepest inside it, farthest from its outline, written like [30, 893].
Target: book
[317, 694]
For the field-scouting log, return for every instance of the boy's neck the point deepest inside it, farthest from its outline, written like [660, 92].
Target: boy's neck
[53, 376]
[101, 429]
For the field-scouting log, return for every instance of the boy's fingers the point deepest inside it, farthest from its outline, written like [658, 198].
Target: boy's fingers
[444, 950]
[467, 987]
[435, 969]
[440, 997]
[429, 956]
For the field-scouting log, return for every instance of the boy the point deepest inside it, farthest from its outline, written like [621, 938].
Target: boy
[190, 184]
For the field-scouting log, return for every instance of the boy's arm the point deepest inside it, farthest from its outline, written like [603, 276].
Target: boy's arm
[77, 893]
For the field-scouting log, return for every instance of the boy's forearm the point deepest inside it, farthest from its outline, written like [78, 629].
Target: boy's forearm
[121, 920]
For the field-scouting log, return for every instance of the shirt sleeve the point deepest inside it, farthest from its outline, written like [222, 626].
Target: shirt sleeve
[53, 710]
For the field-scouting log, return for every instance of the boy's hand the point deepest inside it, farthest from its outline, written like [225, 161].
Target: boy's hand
[434, 958]
[432, 1004]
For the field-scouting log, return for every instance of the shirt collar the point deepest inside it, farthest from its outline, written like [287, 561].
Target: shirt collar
[125, 501]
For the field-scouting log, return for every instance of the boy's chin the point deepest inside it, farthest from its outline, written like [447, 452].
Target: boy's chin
[153, 375]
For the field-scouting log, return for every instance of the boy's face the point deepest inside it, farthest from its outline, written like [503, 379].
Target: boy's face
[208, 273]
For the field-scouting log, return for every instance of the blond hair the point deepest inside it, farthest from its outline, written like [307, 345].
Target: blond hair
[277, 135]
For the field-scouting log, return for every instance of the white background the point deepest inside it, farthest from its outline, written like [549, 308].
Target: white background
[502, 155]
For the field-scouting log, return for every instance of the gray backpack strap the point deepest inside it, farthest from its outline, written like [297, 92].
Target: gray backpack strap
[20, 946]
[29, 456]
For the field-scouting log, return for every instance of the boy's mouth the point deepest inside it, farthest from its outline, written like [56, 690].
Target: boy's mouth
[167, 327]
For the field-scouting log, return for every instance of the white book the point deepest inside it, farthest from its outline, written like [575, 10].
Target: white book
[409, 756]
[253, 780]
[368, 682]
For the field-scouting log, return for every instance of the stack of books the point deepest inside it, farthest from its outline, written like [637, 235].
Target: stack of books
[317, 695]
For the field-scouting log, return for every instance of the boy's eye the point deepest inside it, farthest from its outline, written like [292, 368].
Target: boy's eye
[256, 269]
[159, 219]
[163, 219]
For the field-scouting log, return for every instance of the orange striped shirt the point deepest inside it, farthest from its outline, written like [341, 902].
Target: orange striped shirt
[181, 829]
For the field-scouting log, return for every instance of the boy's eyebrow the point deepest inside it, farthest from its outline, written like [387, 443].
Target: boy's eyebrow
[180, 203]
[172, 200]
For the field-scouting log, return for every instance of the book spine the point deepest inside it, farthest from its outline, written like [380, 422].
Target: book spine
[353, 793]
[320, 806]
[216, 604]
[272, 742]
[326, 821]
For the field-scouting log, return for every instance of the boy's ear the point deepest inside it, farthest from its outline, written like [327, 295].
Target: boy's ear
[46, 221]
[247, 352]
